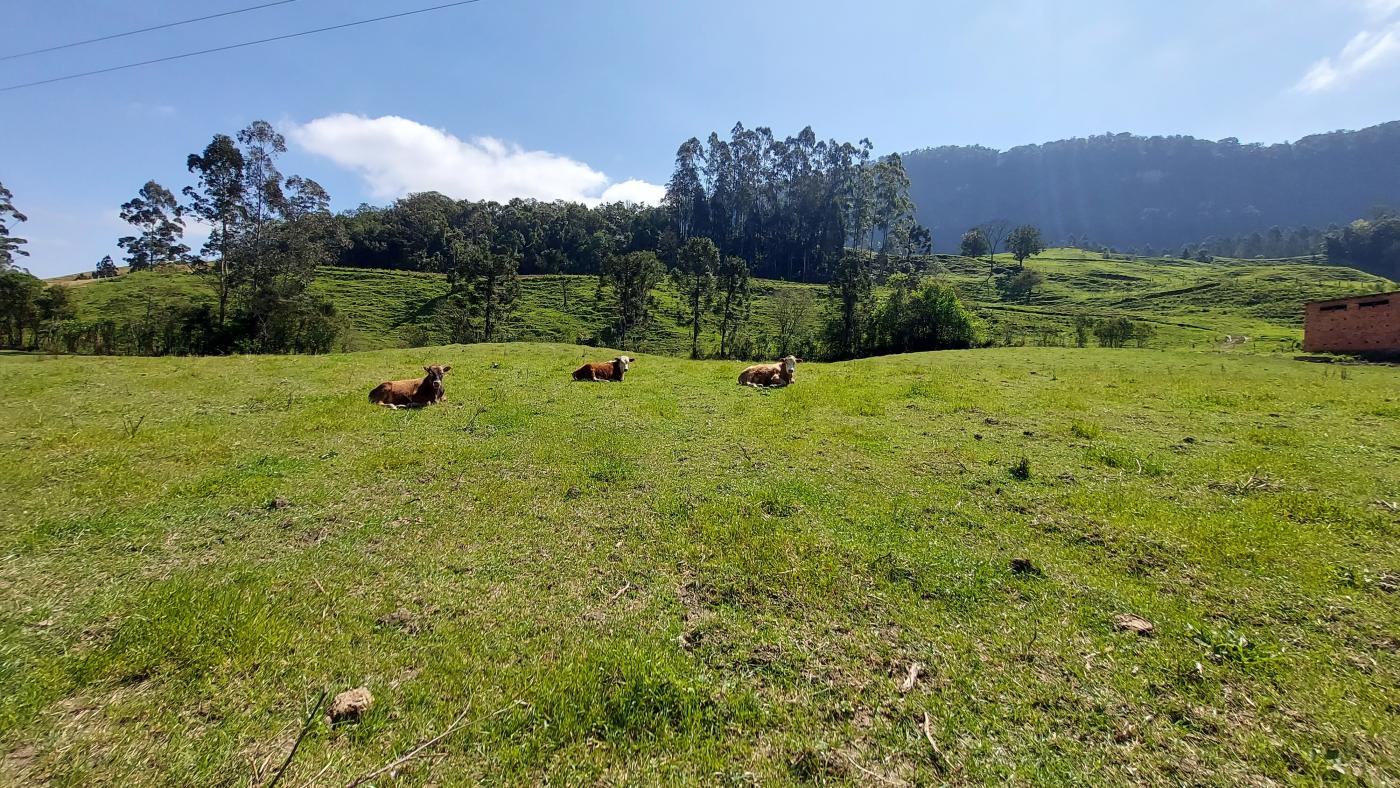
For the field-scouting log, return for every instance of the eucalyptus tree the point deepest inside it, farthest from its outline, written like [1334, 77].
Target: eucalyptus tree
[9, 243]
[158, 218]
[218, 201]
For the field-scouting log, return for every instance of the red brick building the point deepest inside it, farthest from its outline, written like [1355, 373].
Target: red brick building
[1360, 324]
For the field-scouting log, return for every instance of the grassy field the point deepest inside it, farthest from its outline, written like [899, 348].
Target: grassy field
[1192, 305]
[675, 579]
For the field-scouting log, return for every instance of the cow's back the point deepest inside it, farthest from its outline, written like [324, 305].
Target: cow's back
[394, 392]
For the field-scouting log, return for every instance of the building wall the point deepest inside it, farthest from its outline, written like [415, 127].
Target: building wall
[1346, 326]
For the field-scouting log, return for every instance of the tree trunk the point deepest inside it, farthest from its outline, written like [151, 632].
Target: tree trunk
[490, 326]
[695, 323]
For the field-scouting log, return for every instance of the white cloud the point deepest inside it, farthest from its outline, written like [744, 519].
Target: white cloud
[196, 232]
[635, 191]
[396, 156]
[1364, 52]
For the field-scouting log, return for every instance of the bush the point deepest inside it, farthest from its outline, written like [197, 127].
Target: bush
[1114, 332]
[920, 316]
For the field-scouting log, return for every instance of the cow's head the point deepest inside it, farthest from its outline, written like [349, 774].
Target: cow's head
[789, 363]
[623, 363]
[435, 373]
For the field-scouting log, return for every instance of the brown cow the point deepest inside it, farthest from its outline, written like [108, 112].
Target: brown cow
[604, 370]
[411, 393]
[764, 375]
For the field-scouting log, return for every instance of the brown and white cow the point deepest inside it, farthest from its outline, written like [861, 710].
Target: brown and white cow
[411, 393]
[763, 375]
[604, 370]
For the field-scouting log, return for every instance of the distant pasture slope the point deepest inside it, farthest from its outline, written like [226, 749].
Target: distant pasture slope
[1190, 304]
[679, 580]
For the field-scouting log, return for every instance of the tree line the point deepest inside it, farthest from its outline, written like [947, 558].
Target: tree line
[750, 205]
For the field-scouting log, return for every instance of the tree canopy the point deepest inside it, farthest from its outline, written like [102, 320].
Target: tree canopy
[9, 242]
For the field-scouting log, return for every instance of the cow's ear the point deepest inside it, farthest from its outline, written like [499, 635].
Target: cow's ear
[428, 370]
[447, 369]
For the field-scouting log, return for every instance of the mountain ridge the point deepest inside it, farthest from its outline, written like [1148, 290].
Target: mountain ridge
[1131, 192]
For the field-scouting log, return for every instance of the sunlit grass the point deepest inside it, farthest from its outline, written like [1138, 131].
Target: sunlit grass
[679, 579]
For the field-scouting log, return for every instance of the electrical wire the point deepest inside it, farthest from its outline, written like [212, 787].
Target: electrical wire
[144, 30]
[237, 46]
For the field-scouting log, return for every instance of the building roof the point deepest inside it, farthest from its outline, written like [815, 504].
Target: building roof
[1354, 298]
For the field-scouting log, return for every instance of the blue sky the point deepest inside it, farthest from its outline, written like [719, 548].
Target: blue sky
[589, 100]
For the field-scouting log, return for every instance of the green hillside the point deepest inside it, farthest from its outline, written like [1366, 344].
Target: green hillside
[679, 580]
[1191, 304]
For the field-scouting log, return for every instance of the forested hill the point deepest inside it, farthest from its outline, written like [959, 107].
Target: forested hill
[1131, 192]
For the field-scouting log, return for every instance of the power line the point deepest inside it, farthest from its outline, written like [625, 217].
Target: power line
[144, 30]
[238, 46]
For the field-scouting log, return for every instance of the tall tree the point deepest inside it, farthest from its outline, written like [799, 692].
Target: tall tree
[485, 273]
[851, 298]
[264, 204]
[157, 215]
[788, 207]
[732, 280]
[218, 201]
[10, 244]
[1025, 242]
[694, 277]
[685, 194]
[892, 207]
[994, 230]
[632, 276]
[269, 233]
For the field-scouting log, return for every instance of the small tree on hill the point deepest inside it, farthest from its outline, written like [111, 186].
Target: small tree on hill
[851, 298]
[732, 282]
[1082, 328]
[694, 277]
[1114, 332]
[1025, 242]
[791, 310]
[919, 316]
[1020, 285]
[974, 243]
[105, 268]
[632, 277]
[994, 230]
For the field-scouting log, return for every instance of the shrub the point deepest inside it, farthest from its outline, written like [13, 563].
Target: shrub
[921, 316]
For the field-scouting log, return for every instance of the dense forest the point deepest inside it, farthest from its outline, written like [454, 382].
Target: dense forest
[1126, 191]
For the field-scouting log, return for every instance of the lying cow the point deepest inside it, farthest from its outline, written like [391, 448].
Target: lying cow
[762, 375]
[411, 393]
[604, 370]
